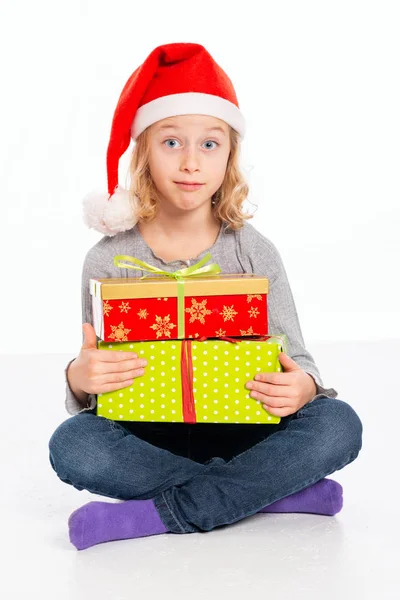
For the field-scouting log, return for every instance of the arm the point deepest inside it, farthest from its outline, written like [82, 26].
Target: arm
[282, 312]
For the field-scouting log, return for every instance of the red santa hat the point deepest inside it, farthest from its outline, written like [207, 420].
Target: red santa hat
[175, 79]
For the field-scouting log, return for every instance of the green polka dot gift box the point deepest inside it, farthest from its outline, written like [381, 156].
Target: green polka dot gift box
[194, 381]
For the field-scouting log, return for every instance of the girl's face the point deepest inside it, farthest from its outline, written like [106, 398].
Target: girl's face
[189, 149]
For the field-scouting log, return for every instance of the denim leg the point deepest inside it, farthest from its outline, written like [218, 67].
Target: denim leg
[321, 438]
[97, 454]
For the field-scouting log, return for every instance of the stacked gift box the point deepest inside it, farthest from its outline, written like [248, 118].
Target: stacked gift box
[204, 335]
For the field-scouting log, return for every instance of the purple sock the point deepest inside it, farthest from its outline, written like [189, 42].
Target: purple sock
[323, 498]
[97, 522]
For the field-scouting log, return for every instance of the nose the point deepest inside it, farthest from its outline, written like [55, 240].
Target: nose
[190, 160]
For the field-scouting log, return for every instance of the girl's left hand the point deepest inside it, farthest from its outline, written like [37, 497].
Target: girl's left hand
[283, 394]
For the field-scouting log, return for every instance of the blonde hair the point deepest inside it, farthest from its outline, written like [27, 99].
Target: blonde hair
[226, 202]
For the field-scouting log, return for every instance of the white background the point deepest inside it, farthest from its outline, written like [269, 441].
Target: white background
[319, 85]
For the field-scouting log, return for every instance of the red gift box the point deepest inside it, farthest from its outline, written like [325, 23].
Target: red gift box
[133, 309]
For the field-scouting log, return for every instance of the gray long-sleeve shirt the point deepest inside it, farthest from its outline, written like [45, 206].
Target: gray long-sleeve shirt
[243, 251]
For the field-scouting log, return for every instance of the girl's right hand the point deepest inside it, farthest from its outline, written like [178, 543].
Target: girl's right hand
[99, 371]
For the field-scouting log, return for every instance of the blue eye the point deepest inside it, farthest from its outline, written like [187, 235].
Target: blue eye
[211, 142]
[170, 140]
[173, 140]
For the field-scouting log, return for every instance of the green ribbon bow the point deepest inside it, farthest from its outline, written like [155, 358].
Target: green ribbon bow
[196, 270]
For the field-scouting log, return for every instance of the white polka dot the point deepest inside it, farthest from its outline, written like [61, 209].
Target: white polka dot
[258, 347]
[215, 357]
[162, 395]
[162, 405]
[110, 346]
[100, 405]
[205, 418]
[152, 400]
[205, 374]
[204, 351]
[131, 411]
[152, 411]
[141, 351]
[141, 395]
[215, 391]
[237, 357]
[215, 347]
[236, 412]
[121, 406]
[269, 364]
[151, 345]
[151, 357]
[247, 364]
[131, 389]
[152, 368]
[163, 416]
[226, 364]
[215, 378]
[162, 374]
[142, 384]
[269, 418]
[173, 357]
[204, 385]
[172, 378]
[121, 395]
[215, 368]
[162, 384]
[247, 374]
[226, 352]
[215, 412]
[173, 390]
[142, 416]
[110, 410]
[226, 418]
[205, 363]
[258, 358]
[110, 399]
[162, 351]
[226, 384]
[247, 418]
[204, 395]
[130, 345]
[237, 391]
[194, 346]
[215, 401]
[226, 406]
[163, 362]
[173, 400]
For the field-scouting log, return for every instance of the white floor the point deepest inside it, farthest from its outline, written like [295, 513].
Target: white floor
[352, 555]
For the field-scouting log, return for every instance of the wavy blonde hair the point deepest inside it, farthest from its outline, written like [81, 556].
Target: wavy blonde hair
[226, 202]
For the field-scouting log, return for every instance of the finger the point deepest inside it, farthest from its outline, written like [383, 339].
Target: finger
[273, 401]
[274, 378]
[117, 380]
[268, 389]
[115, 355]
[283, 411]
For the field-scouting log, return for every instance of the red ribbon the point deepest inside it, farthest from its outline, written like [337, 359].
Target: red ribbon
[188, 406]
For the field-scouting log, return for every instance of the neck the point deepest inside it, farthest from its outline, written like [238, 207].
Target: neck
[180, 237]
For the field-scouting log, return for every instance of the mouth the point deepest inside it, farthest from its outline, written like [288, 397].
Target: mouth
[188, 186]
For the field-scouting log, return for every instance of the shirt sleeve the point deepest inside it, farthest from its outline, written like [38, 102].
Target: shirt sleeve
[97, 263]
[282, 312]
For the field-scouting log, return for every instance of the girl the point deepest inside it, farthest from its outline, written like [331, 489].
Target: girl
[185, 200]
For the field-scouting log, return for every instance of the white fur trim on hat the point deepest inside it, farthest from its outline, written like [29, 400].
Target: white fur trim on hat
[190, 103]
[110, 216]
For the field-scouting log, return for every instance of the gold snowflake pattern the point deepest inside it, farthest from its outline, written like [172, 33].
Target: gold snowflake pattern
[107, 307]
[254, 312]
[198, 311]
[220, 333]
[143, 314]
[162, 326]
[251, 296]
[119, 334]
[124, 307]
[165, 299]
[196, 335]
[248, 332]
[228, 313]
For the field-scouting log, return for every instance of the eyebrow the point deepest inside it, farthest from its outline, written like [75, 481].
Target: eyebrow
[176, 127]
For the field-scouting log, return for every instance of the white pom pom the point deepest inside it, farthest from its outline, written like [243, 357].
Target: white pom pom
[110, 216]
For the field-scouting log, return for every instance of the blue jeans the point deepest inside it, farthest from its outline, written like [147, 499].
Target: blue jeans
[205, 476]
